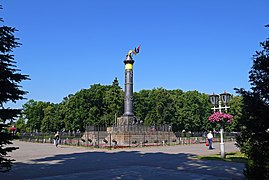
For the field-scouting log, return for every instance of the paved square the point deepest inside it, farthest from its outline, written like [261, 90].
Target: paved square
[45, 161]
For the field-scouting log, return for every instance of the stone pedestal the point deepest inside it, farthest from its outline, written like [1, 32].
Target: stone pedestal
[126, 120]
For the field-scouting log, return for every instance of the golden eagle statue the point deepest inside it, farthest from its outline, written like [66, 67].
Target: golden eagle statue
[134, 51]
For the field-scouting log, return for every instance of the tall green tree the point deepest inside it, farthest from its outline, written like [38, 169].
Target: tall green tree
[161, 108]
[113, 103]
[50, 122]
[254, 138]
[34, 114]
[141, 103]
[20, 124]
[236, 105]
[98, 105]
[194, 111]
[10, 90]
[178, 123]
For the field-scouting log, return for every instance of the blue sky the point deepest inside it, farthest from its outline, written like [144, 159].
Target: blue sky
[199, 45]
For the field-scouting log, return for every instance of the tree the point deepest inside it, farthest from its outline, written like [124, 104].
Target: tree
[236, 105]
[113, 103]
[50, 123]
[254, 138]
[141, 104]
[193, 109]
[159, 106]
[10, 89]
[20, 124]
[34, 114]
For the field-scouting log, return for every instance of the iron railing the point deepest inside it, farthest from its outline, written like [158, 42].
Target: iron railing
[103, 137]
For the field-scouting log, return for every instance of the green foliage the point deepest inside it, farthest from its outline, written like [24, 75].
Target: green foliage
[34, 113]
[160, 107]
[254, 138]
[49, 122]
[195, 111]
[141, 103]
[10, 78]
[5, 139]
[20, 124]
[10, 90]
[236, 105]
[97, 105]
[101, 104]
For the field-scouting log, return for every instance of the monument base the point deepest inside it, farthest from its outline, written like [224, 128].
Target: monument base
[142, 137]
[131, 135]
[126, 120]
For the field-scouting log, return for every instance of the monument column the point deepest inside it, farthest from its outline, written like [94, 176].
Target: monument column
[128, 117]
[128, 93]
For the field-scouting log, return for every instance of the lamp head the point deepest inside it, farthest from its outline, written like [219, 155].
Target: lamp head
[214, 99]
[225, 97]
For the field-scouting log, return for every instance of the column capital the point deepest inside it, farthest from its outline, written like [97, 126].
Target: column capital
[128, 60]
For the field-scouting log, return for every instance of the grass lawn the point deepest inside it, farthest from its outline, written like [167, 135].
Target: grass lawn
[230, 157]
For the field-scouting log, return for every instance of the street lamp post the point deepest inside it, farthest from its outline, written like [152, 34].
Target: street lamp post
[218, 100]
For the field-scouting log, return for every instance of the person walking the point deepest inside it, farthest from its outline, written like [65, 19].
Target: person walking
[56, 139]
[210, 139]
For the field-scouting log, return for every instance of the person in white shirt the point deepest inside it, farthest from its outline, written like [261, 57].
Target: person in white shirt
[210, 139]
[56, 139]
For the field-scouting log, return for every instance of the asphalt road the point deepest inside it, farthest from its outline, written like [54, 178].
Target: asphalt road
[45, 161]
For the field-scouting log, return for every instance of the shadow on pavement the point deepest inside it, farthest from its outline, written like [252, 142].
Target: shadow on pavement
[124, 165]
